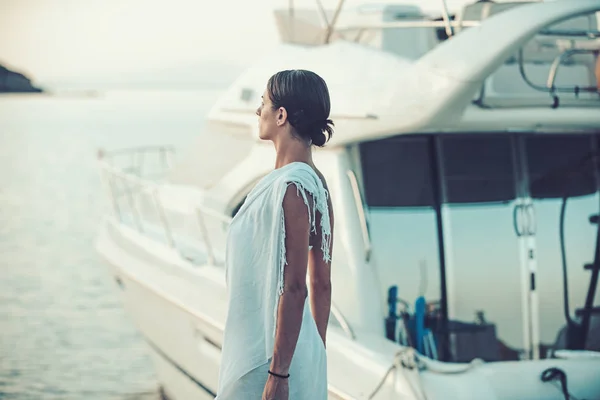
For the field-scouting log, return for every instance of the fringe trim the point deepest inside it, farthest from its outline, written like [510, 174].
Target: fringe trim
[319, 204]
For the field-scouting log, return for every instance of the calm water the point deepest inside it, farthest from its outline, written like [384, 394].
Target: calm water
[64, 333]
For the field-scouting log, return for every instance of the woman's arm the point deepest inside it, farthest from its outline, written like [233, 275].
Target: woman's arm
[320, 279]
[291, 303]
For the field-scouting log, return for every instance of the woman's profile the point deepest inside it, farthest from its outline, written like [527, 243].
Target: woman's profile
[274, 339]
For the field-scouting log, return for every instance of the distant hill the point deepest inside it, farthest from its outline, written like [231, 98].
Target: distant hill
[14, 82]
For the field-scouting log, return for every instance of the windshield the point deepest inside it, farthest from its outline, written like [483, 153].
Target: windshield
[477, 216]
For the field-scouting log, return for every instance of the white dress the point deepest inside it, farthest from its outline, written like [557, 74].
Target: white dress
[255, 264]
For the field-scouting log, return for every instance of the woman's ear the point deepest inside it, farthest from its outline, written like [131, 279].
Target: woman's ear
[281, 116]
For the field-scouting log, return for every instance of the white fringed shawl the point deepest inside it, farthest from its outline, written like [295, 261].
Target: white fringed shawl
[255, 265]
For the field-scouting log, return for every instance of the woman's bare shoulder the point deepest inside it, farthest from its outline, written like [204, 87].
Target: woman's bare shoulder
[322, 178]
[329, 204]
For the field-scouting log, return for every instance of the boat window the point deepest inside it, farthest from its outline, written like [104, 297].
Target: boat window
[398, 189]
[478, 168]
[478, 173]
[560, 165]
[397, 172]
[502, 196]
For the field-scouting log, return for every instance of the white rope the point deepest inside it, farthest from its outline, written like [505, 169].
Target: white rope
[408, 359]
[404, 358]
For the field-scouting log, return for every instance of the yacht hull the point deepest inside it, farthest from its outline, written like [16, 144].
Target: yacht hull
[177, 312]
[185, 359]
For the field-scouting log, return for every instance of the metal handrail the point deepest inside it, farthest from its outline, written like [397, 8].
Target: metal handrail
[445, 23]
[361, 29]
[407, 24]
[584, 33]
[108, 174]
[163, 219]
[137, 155]
[109, 168]
[214, 214]
[361, 213]
[138, 149]
[556, 64]
[449, 25]
[550, 87]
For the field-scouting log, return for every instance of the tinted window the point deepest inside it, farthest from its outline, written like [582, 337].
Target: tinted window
[559, 165]
[397, 172]
[478, 168]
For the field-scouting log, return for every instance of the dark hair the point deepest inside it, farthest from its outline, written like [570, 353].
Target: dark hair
[305, 97]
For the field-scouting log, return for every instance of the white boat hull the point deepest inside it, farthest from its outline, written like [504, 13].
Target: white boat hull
[186, 366]
[170, 307]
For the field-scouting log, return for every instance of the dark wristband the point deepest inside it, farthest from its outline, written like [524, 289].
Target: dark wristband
[278, 375]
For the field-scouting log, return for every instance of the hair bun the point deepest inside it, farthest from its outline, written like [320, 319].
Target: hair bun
[318, 139]
[318, 130]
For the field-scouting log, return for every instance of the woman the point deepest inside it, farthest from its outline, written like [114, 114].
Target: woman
[274, 340]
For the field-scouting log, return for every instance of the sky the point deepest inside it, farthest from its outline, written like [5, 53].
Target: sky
[87, 40]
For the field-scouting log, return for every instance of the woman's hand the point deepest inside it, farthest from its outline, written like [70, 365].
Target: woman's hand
[276, 389]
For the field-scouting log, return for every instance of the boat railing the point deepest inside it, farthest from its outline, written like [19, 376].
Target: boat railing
[330, 25]
[362, 28]
[450, 24]
[142, 203]
[551, 88]
[132, 195]
[583, 41]
[135, 198]
[135, 160]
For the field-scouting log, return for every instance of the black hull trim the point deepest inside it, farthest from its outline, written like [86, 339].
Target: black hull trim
[179, 368]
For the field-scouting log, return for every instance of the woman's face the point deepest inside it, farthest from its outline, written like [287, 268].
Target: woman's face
[269, 120]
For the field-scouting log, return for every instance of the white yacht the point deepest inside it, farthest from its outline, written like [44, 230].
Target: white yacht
[465, 179]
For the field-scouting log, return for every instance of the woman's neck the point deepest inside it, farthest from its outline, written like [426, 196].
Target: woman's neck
[292, 150]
